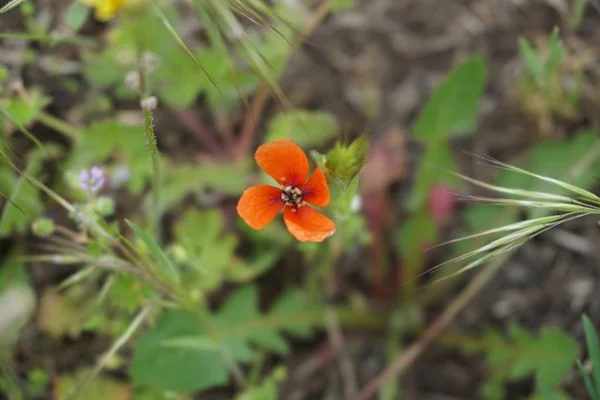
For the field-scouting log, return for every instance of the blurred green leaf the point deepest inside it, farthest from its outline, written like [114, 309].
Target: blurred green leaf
[179, 369]
[555, 53]
[453, 106]
[185, 180]
[193, 365]
[452, 109]
[550, 356]
[167, 270]
[429, 173]
[418, 232]
[21, 111]
[532, 62]
[577, 13]
[306, 128]
[210, 251]
[550, 395]
[593, 347]
[77, 14]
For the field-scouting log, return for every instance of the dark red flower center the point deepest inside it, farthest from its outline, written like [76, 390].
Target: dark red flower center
[292, 196]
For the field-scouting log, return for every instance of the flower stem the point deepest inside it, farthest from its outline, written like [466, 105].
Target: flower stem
[152, 146]
[58, 125]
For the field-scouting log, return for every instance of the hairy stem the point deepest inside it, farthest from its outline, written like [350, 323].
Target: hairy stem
[152, 146]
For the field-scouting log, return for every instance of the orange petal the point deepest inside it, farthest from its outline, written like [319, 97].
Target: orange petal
[259, 205]
[284, 160]
[316, 191]
[308, 225]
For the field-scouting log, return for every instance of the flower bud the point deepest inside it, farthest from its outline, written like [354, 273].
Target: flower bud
[149, 103]
[43, 227]
[149, 61]
[345, 161]
[132, 80]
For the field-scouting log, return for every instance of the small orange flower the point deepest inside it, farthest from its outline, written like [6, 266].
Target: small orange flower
[285, 162]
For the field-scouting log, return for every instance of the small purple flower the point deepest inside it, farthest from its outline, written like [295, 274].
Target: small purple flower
[91, 180]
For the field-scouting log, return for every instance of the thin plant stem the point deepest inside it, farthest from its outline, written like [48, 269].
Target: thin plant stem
[152, 146]
[120, 342]
[201, 132]
[58, 125]
[408, 356]
[252, 120]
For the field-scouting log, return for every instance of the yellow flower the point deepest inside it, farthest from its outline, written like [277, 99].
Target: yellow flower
[106, 9]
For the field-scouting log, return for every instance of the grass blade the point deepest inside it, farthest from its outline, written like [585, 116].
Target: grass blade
[10, 5]
[24, 130]
[510, 227]
[510, 191]
[165, 21]
[572, 188]
[593, 345]
[78, 390]
[167, 269]
[588, 381]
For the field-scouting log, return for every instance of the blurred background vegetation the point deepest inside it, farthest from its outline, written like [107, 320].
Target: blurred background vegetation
[128, 130]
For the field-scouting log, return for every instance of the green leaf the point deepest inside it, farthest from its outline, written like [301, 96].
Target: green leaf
[555, 55]
[167, 24]
[550, 356]
[210, 251]
[589, 385]
[238, 325]
[549, 373]
[167, 270]
[416, 233]
[593, 347]
[429, 173]
[307, 128]
[77, 14]
[532, 62]
[179, 369]
[23, 112]
[195, 343]
[577, 13]
[550, 395]
[185, 180]
[452, 108]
